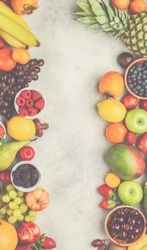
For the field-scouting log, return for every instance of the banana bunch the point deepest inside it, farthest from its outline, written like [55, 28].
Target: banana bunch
[14, 30]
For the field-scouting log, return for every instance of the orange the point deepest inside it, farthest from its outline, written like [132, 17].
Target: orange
[137, 6]
[112, 180]
[111, 83]
[21, 56]
[115, 132]
[121, 4]
[8, 236]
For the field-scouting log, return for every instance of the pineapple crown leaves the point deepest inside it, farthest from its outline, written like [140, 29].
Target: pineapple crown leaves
[99, 14]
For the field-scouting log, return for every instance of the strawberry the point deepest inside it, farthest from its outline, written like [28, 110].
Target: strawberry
[26, 94]
[107, 204]
[48, 243]
[29, 103]
[36, 95]
[40, 104]
[24, 248]
[106, 191]
[32, 111]
[22, 112]
[20, 101]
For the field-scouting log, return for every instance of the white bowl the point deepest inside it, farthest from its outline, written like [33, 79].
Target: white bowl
[16, 106]
[22, 189]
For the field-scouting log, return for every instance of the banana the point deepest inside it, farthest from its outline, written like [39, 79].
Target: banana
[11, 40]
[17, 31]
[5, 10]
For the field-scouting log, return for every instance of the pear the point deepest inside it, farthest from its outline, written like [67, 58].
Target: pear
[8, 153]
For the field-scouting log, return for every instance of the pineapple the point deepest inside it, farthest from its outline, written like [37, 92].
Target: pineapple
[132, 29]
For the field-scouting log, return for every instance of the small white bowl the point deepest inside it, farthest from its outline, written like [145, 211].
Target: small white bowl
[22, 189]
[16, 106]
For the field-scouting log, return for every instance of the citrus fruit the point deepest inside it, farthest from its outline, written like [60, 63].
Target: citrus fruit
[111, 83]
[121, 4]
[21, 128]
[21, 55]
[116, 132]
[111, 110]
[8, 236]
[112, 180]
[137, 6]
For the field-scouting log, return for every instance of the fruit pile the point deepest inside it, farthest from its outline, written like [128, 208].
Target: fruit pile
[126, 130]
[21, 196]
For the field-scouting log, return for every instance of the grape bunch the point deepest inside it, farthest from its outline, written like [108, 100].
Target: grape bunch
[14, 208]
[15, 80]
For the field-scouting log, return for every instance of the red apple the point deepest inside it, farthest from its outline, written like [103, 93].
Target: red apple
[142, 143]
[144, 105]
[130, 101]
[131, 138]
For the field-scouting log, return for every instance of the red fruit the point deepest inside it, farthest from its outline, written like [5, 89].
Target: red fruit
[40, 104]
[28, 232]
[20, 101]
[105, 191]
[23, 248]
[131, 138]
[32, 111]
[26, 153]
[142, 143]
[107, 204]
[29, 103]
[48, 243]
[26, 94]
[130, 101]
[22, 112]
[144, 105]
[2, 131]
[36, 95]
[5, 176]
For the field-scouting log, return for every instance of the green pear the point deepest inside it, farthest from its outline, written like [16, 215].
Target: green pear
[8, 153]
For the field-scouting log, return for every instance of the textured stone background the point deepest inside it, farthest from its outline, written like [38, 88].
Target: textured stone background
[70, 154]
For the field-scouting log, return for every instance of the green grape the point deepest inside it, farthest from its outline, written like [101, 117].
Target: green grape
[9, 212]
[20, 194]
[13, 205]
[17, 213]
[32, 213]
[10, 187]
[6, 198]
[27, 218]
[20, 218]
[3, 211]
[12, 219]
[23, 208]
[18, 200]
[12, 194]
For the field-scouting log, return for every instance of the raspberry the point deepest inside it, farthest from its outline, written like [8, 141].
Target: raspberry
[36, 95]
[29, 103]
[20, 101]
[32, 111]
[22, 112]
[26, 94]
[40, 104]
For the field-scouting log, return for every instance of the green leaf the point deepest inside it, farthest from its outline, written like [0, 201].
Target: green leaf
[96, 7]
[81, 13]
[84, 6]
[94, 26]
[102, 19]
[87, 20]
[109, 9]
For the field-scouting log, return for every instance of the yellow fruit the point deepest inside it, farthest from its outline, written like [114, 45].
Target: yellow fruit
[20, 128]
[111, 110]
[112, 180]
[111, 83]
[141, 244]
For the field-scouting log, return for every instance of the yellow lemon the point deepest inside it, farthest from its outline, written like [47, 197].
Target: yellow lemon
[20, 128]
[111, 110]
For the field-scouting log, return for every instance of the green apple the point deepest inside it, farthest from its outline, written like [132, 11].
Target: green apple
[130, 192]
[136, 120]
